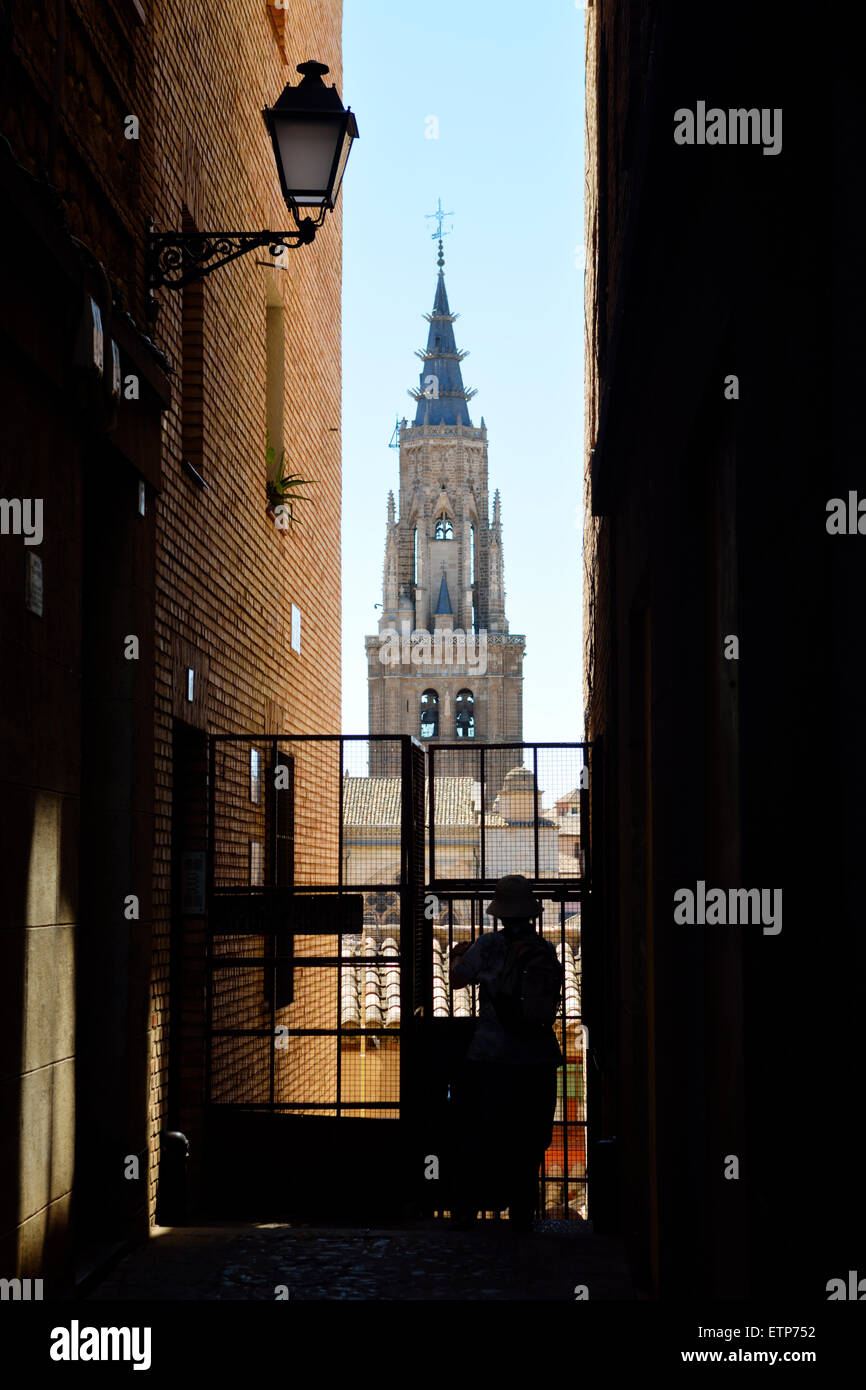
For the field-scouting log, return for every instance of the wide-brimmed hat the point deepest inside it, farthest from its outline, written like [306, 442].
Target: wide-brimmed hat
[513, 898]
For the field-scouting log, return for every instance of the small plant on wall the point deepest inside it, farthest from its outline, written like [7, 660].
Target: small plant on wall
[283, 489]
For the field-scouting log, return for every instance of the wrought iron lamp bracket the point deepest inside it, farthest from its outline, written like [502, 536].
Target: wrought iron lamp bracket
[176, 259]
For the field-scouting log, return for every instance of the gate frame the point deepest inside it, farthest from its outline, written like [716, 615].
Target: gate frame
[411, 903]
[417, 820]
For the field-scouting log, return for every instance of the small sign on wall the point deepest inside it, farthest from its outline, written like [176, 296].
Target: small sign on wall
[255, 777]
[296, 628]
[33, 584]
[257, 864]
[90, 352]
[193, 883]
[115, 371]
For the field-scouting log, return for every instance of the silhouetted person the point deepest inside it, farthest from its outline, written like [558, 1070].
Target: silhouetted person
[506, 1093]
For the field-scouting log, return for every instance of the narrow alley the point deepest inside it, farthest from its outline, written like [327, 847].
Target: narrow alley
[432, 671]
[560, 1261]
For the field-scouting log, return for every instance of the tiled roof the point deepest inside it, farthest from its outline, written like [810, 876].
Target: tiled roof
[375, 801]
[371, 990]
[371, 801]
[458, 801]
[573, 796]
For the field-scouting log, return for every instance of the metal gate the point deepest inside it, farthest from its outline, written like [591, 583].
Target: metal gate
[503, 809]
[330, 1028]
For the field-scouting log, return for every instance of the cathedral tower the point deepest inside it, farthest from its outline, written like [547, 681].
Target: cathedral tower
[444, 666]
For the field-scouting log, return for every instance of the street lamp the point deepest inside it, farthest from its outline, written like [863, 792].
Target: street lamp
[312, 135]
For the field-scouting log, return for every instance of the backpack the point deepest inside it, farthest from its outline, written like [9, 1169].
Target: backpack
[529, 985]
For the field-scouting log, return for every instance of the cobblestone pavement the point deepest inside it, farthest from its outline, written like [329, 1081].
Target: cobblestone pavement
[423, 1262]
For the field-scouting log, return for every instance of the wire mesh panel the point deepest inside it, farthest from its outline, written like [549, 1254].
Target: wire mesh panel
[456, 793]
[310, 889]
[240, 1068]
[238, 813]
[508, 809]
[371, 816]
[562, 777]
[517, 809]
[317, 773]
[564, 1168]
[371, 1009]
[459, 918]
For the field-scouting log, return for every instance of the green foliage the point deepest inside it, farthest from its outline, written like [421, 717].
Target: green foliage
[283, 487]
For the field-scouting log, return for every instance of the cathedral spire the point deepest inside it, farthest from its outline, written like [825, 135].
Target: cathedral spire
[441, 396]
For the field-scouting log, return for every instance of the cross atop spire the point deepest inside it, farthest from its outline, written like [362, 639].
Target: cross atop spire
[439, 217]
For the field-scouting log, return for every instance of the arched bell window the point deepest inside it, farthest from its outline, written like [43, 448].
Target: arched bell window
[429, 714]
[444, 528]
[464, 707]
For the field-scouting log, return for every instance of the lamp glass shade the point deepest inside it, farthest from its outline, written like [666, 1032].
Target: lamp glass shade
[311, 150]
[343, 154]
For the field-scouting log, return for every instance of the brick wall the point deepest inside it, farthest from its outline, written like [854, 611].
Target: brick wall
[226, 576]
[75, 715]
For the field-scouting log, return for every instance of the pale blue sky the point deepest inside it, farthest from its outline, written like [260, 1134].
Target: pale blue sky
[506, 82]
